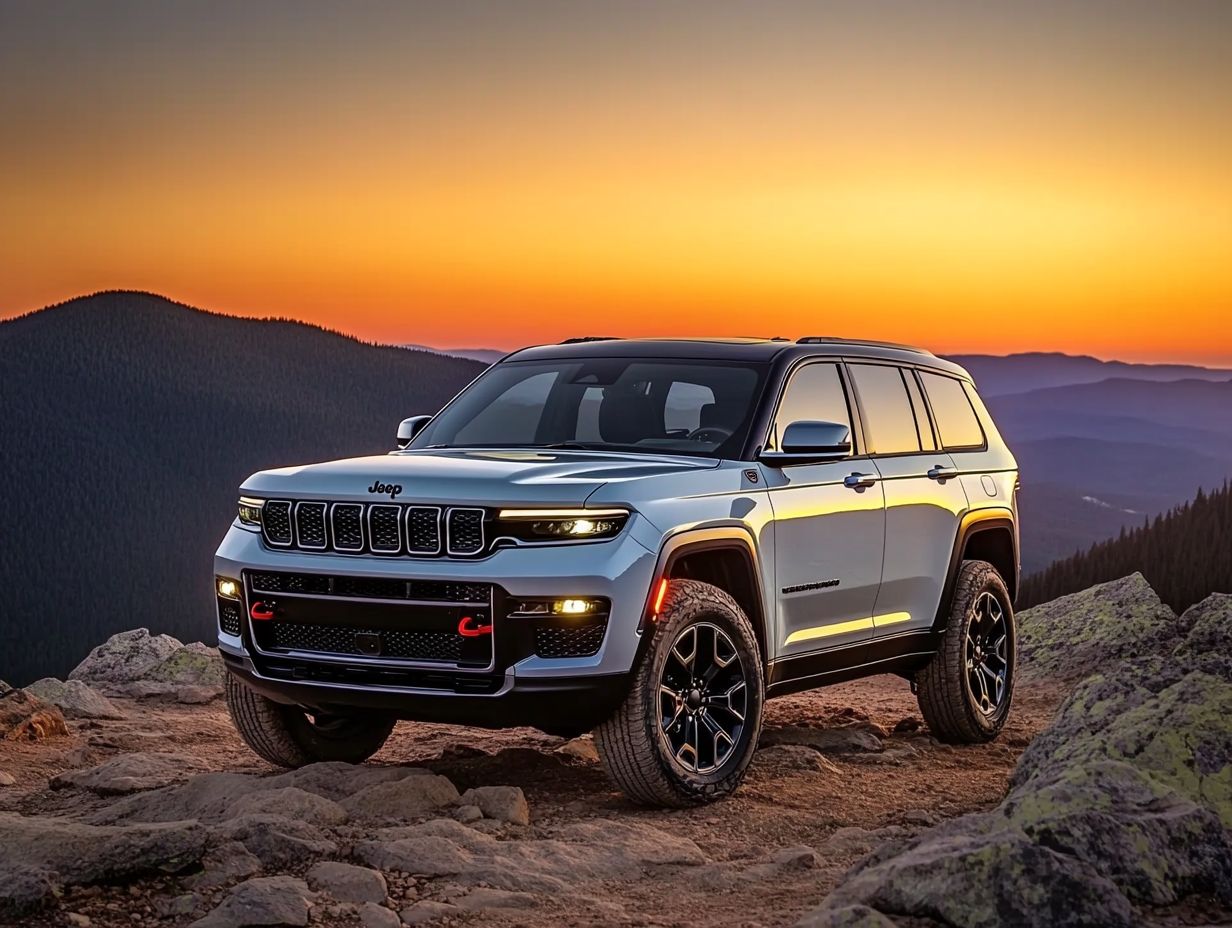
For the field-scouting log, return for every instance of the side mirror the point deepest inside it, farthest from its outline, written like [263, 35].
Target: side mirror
[807, 442]
[409, 428]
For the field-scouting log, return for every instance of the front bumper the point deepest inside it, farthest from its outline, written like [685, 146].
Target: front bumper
[516, 688]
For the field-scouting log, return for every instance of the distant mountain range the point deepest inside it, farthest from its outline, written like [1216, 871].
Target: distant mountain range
[484, 355]
[1018, 373]
[128, 420]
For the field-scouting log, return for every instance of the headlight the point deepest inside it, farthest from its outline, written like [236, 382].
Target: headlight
[561, 524]
[250, 510]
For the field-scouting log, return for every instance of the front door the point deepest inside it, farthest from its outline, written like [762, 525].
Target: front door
[829, 532]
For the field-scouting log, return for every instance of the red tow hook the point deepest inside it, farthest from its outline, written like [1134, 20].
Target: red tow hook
[261, 612]
[469, 628]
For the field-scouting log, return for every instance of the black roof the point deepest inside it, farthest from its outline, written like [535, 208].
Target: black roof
[731, 349]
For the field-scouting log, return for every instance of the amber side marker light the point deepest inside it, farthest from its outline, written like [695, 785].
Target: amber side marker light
[660, 595]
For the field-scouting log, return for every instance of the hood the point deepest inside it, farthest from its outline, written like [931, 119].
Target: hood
[483, 477]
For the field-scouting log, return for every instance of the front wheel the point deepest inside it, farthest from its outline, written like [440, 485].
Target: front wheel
[966, 691]
[289, 736]
[688, 728]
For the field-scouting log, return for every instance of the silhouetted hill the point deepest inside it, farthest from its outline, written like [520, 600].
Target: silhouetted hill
[1183, 554]
[997, 375]
[128, 421]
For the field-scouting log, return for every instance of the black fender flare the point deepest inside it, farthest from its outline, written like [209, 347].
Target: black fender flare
[991, 519]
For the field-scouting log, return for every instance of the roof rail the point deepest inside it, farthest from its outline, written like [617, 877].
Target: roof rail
[862, 342]
[588, 338]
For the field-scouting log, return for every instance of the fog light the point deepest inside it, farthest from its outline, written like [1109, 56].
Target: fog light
[572, 606]
[228, 588]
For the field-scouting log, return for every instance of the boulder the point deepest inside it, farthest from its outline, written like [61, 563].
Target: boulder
[1124, 802]
[7, 779]
[25, 717]
[427, 910]
[372, 915]
[584, 851]
[347, 882]
[503, 803]
[844, 740]
[581, 749]
[275, 840]
[129, 773]
[75, 698]
[1074, 636]
[194, 664]
[291, 802]
[225, 863]
[125, 657]
[263, 900]
[41, 854]
[402, 799]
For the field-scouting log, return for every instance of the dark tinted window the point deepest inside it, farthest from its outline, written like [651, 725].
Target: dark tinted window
[956, 420]
[889, 423]
[618, 404]
[814, 394]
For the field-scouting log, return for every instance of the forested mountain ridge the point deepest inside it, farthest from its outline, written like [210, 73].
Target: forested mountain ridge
[1185, 555]
[126, 425]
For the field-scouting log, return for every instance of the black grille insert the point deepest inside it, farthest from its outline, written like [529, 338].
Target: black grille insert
[310, 525]
[276, 522]
[229, 616]
[348, 525]
[384, 529]
[572, 640]
[423, 529]
[465, 531]
[400, 644]
[444, 591]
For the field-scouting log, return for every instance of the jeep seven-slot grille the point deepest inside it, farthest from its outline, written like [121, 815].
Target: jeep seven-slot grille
[388, 529]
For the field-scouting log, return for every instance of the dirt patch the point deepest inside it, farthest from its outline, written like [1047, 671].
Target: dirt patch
[773, 851]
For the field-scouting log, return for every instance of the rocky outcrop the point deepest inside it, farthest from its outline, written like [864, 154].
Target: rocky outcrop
[140, 665]
[76, 699]
[1125, 801]
[40, 855]
[1075, 636]
[25, 717]
[129, 773]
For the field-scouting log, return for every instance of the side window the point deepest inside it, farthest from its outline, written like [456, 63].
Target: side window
[956, 420]
[889, 421]
[927, 442]
[815, 393]
[513, 415]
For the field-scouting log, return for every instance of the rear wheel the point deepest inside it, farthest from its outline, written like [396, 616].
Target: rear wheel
[289, 736]
[966, 691]
[688, 728]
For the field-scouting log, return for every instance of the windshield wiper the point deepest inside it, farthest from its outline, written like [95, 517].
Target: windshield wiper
[571, 445]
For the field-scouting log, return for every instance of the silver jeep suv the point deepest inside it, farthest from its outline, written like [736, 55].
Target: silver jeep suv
[648, 538]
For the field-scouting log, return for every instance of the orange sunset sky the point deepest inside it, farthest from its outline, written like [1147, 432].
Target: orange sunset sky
[967, 176]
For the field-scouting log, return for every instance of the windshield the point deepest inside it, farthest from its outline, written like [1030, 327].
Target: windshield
[605, 404]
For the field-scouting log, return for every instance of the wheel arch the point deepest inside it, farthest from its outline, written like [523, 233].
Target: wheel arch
[987, 535]
[724, 557]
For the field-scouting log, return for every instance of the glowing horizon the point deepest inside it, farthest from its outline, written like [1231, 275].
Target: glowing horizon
[1036, 178]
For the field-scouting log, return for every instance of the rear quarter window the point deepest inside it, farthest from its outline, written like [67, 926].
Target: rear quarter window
[957, 424]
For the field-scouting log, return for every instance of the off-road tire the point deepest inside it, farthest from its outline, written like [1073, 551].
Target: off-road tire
[945, 696]
[633, 750]
[287, 737]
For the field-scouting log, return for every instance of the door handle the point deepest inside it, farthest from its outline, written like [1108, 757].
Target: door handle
[860, 481]
[942, 472]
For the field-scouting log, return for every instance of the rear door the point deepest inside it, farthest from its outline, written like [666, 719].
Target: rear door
[828, 535]
[924, 499]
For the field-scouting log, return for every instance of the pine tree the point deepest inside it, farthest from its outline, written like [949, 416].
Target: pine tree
[1185, 554]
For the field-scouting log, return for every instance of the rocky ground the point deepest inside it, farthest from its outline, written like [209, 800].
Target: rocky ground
[127, 799]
